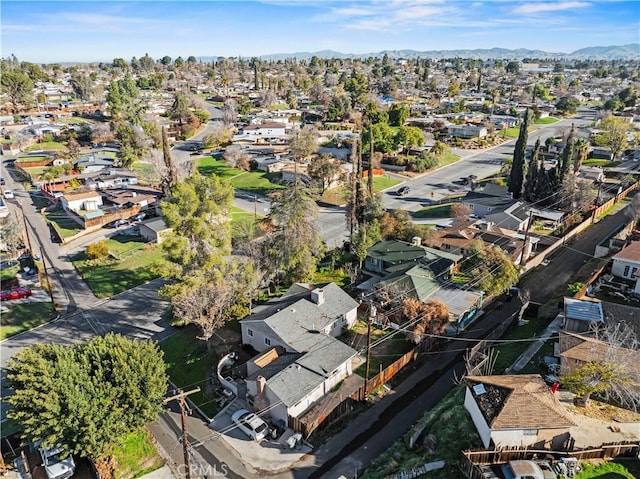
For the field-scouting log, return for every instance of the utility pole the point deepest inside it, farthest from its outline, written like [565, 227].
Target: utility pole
[372, 314]
[523, 260]
[184, 410]
[46, 278]
[26, 229]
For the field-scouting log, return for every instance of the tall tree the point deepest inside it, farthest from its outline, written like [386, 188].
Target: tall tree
[170, 177]
[82, 86]
[516, 177]
[490, 266]
[614, 134]
[85, 398]
[531, 186]
[295, 244]
[17, 86]
[325, 169]
[198, 213]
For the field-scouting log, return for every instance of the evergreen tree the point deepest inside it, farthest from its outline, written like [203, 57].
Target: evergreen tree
[517, 174]
[533, 175]
[566, 161]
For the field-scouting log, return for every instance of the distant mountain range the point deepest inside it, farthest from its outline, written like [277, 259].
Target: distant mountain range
[613, 52]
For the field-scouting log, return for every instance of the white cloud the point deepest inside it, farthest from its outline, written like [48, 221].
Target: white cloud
[529, 8]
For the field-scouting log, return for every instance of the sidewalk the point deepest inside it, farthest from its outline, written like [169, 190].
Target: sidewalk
[552, 330]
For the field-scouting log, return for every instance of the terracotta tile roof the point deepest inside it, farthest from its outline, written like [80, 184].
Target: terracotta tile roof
[518, 402]
[629, 253]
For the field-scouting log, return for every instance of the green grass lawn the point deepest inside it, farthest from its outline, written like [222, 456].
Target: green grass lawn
[549, 120]
[327, 275]
[189, 364]
[381, 183]
[598, 162]
[452, 429]
[619, 469]
[8, 273]
[253, 181]
[74, 120]
[47, 145]
[435, 211]
[509, 352]
[136, 456]
[447, 159]
[131, 265]
[39, 201]
[22, 317]
[242, 222]
[36, 171]
[66, 226]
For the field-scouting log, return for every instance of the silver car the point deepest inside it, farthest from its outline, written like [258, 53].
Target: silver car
[250, 424]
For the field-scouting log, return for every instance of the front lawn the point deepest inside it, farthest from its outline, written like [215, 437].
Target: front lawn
[549, 120]
[64, 225]
[22, 317]
[130, 264]
[188, 365]
[435, 211]
[254, 181]
[46, 146]
[447, 159]
[136, 456]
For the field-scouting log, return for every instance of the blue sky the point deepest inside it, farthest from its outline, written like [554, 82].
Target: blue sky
[52, 31]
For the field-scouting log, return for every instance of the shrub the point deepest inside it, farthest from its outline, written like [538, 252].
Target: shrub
[97, 251]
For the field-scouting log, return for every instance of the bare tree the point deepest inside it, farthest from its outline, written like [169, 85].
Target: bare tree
[461, 211]
[236, 157]
[229, 112]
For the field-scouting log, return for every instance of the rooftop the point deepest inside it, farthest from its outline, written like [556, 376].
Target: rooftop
[583, 310]
[631, 252]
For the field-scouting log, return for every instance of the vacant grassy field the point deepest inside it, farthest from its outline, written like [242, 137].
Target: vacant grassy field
[22, 317]
[136, 456]
[130, 265]
[449, 428]
[189, 364]
[253, 181]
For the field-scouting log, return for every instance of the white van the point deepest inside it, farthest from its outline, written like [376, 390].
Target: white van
[55, 465]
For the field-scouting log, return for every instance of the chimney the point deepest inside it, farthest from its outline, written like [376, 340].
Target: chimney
[317, 296]
[416, 241]
[261, 383]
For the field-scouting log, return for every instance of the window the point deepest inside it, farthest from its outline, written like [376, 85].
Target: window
[250, 332]
[633, 272]
[626, 271]
[267, 341]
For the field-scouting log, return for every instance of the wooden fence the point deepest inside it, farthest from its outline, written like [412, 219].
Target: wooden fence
[384, 375]
[471, 460]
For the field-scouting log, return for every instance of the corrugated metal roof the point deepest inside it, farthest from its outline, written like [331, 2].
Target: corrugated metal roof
[583, 310]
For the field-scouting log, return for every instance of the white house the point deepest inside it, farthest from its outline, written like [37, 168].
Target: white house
[302, 360]
[267, 130]
[516, 410]
[89, 201]
[467, 131]
[627, 262]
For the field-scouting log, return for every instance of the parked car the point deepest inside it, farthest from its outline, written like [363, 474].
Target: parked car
[8, 194]
[1, 180]
[139, 216]
[22, 292]
[56, 466]
[403, 191]
[4, 295]
[12, 294]
[116, 224]
[250, 424]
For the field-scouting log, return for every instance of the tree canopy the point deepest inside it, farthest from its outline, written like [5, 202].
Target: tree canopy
[85, 398]
[489, 267]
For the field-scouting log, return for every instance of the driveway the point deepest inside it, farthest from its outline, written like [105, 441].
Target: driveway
[269, 456]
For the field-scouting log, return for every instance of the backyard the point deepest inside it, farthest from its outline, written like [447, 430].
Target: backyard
[130, 264]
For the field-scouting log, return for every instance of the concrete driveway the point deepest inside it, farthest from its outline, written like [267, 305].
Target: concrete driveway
[269, 456]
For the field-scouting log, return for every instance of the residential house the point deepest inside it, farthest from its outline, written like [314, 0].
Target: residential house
[266, 130]
[154, 230]
[77, 201]
[467, 131]
[93, 162]
[308, 361]
[580, 315]
[398, 267]
[138, 195]
[492, 197]
[626, 263]
[516, 410]
[515, 217]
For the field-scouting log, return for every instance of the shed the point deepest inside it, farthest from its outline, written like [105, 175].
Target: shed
[154, 229]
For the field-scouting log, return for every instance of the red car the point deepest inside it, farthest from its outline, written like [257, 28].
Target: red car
[22, 292]
[4, 295]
